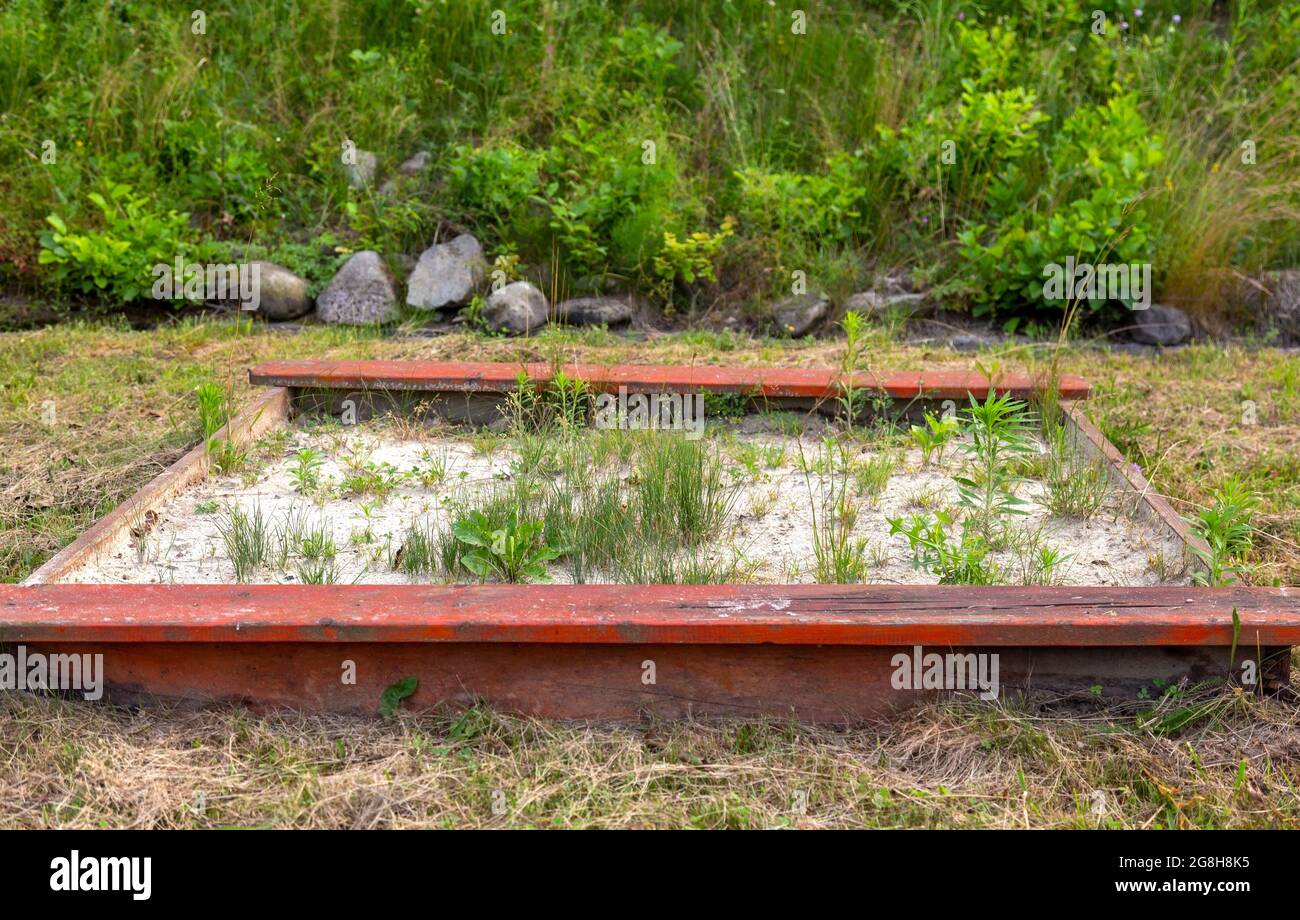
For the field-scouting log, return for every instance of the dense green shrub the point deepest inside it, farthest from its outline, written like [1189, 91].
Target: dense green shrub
[1100, 163]
[115, 259]
[973, 142]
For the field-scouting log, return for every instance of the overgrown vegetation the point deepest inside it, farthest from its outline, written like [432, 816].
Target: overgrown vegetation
[1210, 758]
[660, 144]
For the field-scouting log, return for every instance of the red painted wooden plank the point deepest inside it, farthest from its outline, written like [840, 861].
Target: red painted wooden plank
[789, 382]
[617, 614]
[824, 684]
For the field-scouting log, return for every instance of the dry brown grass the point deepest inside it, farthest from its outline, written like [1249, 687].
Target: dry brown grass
[958, 765]
[125, 408]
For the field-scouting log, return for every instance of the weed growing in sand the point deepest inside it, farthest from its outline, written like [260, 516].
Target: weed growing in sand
[933, 437]
[432, 470]
[248, 539]
[960, 560]
[563, 404]
[851, 398]
[380, 480]
[305, 470]
[514, 552]
[1000, 431]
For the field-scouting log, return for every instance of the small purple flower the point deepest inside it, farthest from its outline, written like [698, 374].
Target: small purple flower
[961, 15]
[1138, 12]
[1177, 19]
[925, 220]
[1123, 25]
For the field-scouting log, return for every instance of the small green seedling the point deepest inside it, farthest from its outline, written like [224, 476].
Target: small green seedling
[514, 552]
[305, 471]
[933, 437]
[394, 693]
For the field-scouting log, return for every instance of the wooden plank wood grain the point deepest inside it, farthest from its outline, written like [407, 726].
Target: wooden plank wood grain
[1128, 478]
[665, 614]
[269, 410]
[768, 382]
[819, 684]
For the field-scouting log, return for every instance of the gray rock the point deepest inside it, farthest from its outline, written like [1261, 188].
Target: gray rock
[1159, 324]
[796, 316]
[518, 308]
[415, 165]
[283, 294]
[596, 311]
[966, 342]
[447, 274]
[1273, 303]
[362, 172]
[360, 293]
[885, 304]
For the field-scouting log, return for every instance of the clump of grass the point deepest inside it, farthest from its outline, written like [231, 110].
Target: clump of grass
[215, 413]
[838, 556]
[248, 539]
[1041, 564]
[427, 550]
[681, 489]
[1076, 487]
[871, 476]
[321, 571]
[644, 562]
[318, 543]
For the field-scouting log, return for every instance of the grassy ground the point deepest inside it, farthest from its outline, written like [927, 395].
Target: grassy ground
[89, 412]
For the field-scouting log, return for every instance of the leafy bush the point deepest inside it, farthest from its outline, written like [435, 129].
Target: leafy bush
[692, 259]
[1100, 163]
[828, 206]
[114, 261]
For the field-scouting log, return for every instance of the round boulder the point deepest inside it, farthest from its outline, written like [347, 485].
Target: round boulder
[447, 274]
[1162, 325]
[360, 293]
[282, 295]
[596, 311]
[797, 316]
[517, 309]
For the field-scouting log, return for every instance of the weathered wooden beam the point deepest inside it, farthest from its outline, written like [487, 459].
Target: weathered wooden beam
[832, 683]
[665, 614]
[268, 411]
[759, 382]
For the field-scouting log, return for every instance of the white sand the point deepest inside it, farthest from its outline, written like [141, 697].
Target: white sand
[772, 519]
